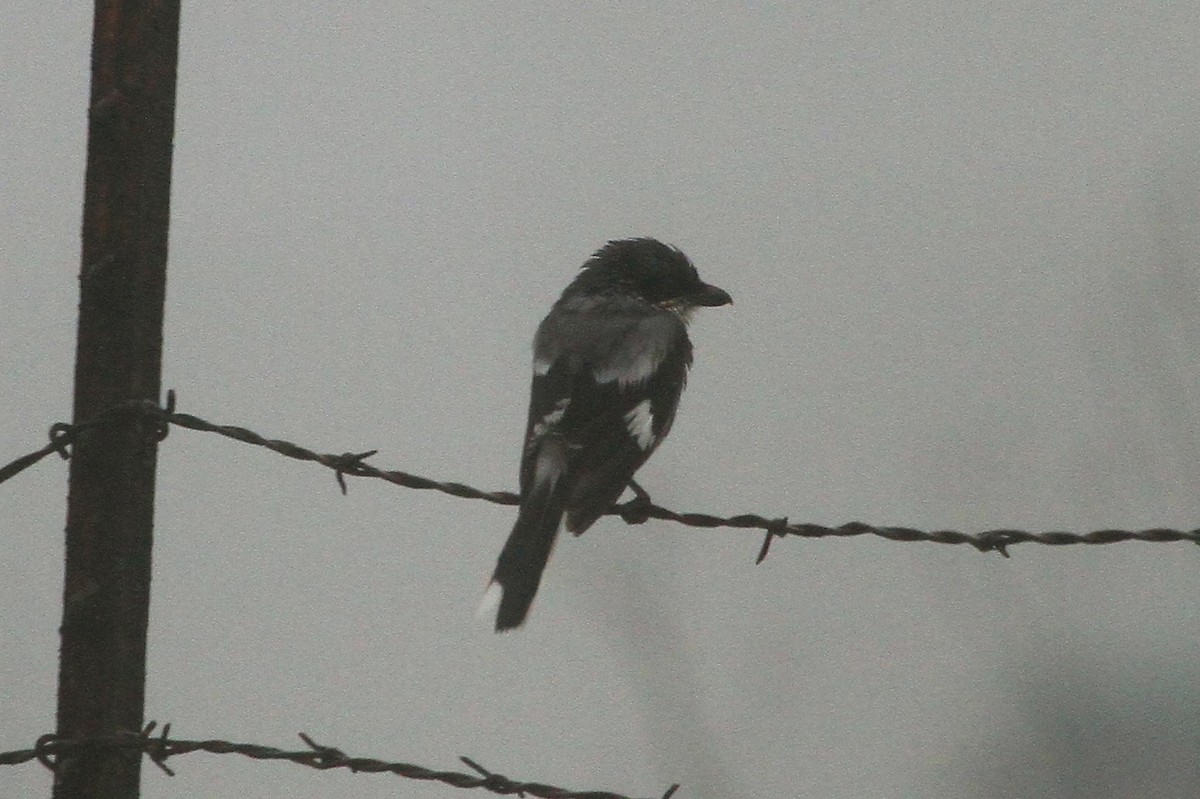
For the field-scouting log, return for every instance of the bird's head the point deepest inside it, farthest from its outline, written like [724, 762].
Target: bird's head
[647, 268]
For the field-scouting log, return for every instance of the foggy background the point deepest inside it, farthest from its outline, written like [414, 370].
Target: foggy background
[963, 248]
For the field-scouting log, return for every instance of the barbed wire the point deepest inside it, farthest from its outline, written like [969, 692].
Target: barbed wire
[635, 511]
[50, 750]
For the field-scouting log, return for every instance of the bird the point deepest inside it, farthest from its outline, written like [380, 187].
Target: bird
[610, 361]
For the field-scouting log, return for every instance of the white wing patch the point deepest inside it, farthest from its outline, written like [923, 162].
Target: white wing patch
[541, 366]
[548, 421]
[551, 449]
[640, 422]
[632, 372]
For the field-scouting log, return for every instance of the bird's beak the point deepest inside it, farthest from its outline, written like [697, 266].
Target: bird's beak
[711, 296]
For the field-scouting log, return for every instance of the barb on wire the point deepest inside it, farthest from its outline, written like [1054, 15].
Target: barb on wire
[50, 750]
[635, 511]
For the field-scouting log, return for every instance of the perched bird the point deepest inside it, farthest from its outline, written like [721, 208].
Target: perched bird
[609, 363]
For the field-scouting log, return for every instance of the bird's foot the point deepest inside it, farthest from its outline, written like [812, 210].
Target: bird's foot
[636, 510]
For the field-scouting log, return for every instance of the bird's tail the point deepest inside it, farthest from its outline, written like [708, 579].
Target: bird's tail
[523, 559]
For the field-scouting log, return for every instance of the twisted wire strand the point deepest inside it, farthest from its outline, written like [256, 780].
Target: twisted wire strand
[50, 750]
[635, 511]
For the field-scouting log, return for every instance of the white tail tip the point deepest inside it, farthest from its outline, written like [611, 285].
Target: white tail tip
[490, 602]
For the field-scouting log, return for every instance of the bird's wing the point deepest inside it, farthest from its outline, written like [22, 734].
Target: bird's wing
[607, 379]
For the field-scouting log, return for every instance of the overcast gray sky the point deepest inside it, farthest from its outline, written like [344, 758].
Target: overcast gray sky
[963, 247]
